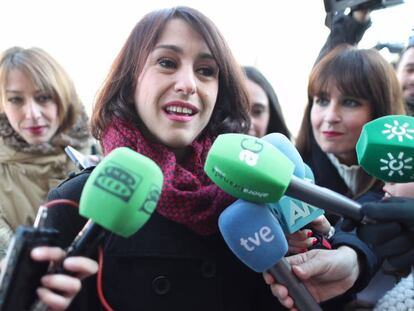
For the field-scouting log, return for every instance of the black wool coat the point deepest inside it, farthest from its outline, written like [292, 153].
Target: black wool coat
[164, 266]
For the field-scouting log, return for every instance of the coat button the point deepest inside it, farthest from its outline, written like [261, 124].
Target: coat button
[208, 269]
[161, 285]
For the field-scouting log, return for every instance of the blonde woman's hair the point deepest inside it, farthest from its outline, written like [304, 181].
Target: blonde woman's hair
[47, 75]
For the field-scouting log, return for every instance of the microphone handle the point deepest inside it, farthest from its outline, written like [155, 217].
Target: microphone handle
[304, 301]
[87, 241]
[324, 198]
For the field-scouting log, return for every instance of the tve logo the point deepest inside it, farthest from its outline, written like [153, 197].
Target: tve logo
[251, 147]
[251, 242]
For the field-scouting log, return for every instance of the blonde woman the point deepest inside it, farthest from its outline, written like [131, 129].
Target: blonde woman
[40, 114]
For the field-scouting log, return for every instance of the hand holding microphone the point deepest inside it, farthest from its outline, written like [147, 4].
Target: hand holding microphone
[325, 273]
[66, 285]
[385, 150]
[254, 235]
[393, 235]
[119, 196]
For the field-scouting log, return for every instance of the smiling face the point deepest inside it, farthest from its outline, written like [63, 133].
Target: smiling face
[31, 112]
[337, 122]
[177, 89]
[259, 109]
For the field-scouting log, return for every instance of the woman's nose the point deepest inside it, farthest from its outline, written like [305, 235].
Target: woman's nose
[333, 113]
[33, 109]
[186, 81]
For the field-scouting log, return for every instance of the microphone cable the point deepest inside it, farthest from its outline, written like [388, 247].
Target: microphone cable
[99, 285]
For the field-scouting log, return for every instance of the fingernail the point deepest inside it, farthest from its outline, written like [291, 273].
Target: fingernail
[315, 241]
[309, 234]
[36, 252]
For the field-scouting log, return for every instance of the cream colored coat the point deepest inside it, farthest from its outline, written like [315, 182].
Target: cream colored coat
[27, 173]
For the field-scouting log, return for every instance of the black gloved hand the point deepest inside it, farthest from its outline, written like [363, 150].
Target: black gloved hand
[392, 237]
[398, 209]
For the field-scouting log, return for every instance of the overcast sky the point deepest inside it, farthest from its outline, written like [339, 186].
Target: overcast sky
[281, 38]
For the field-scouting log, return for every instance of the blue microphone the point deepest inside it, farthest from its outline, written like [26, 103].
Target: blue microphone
[292, 213]
[284, 145]
[254, 235]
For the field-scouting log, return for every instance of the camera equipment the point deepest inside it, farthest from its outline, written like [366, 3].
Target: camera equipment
[341, 5]
[20, 275]
[332, 7]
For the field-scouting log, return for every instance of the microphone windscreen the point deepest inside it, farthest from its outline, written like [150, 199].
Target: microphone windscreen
[385, 148]
[248, 168]
[284, 145]
[253, 234]
[122, 191]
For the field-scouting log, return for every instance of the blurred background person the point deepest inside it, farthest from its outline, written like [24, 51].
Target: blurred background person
[405, 74]
[40, 114]
[343, 95]
[265, 112]
[347, 88]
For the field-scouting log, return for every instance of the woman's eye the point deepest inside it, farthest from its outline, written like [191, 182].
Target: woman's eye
[15, 100]
[207, 71]
[257, 112]
[43, 98]
[167, 63]
[351, 103]
[321, 101]
[409, 69]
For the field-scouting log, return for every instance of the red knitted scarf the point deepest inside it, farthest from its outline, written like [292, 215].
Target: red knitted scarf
[188, 196]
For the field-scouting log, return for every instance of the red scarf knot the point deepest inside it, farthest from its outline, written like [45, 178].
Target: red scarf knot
[188, 196]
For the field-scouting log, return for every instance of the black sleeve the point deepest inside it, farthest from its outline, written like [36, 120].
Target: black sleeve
[344, 29]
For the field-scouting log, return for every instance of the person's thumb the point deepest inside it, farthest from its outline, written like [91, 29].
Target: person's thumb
[307, 268]
[321, 224]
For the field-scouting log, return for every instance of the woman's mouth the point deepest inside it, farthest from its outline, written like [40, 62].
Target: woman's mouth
[35, 130]
[331, 134]
[179, 111]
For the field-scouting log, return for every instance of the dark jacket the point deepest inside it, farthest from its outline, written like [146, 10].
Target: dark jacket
[164, 266]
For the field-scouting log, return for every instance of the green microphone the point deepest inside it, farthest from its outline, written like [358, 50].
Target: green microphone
[120, 195]
[385, 148]
[259, 159]
[252, 169]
